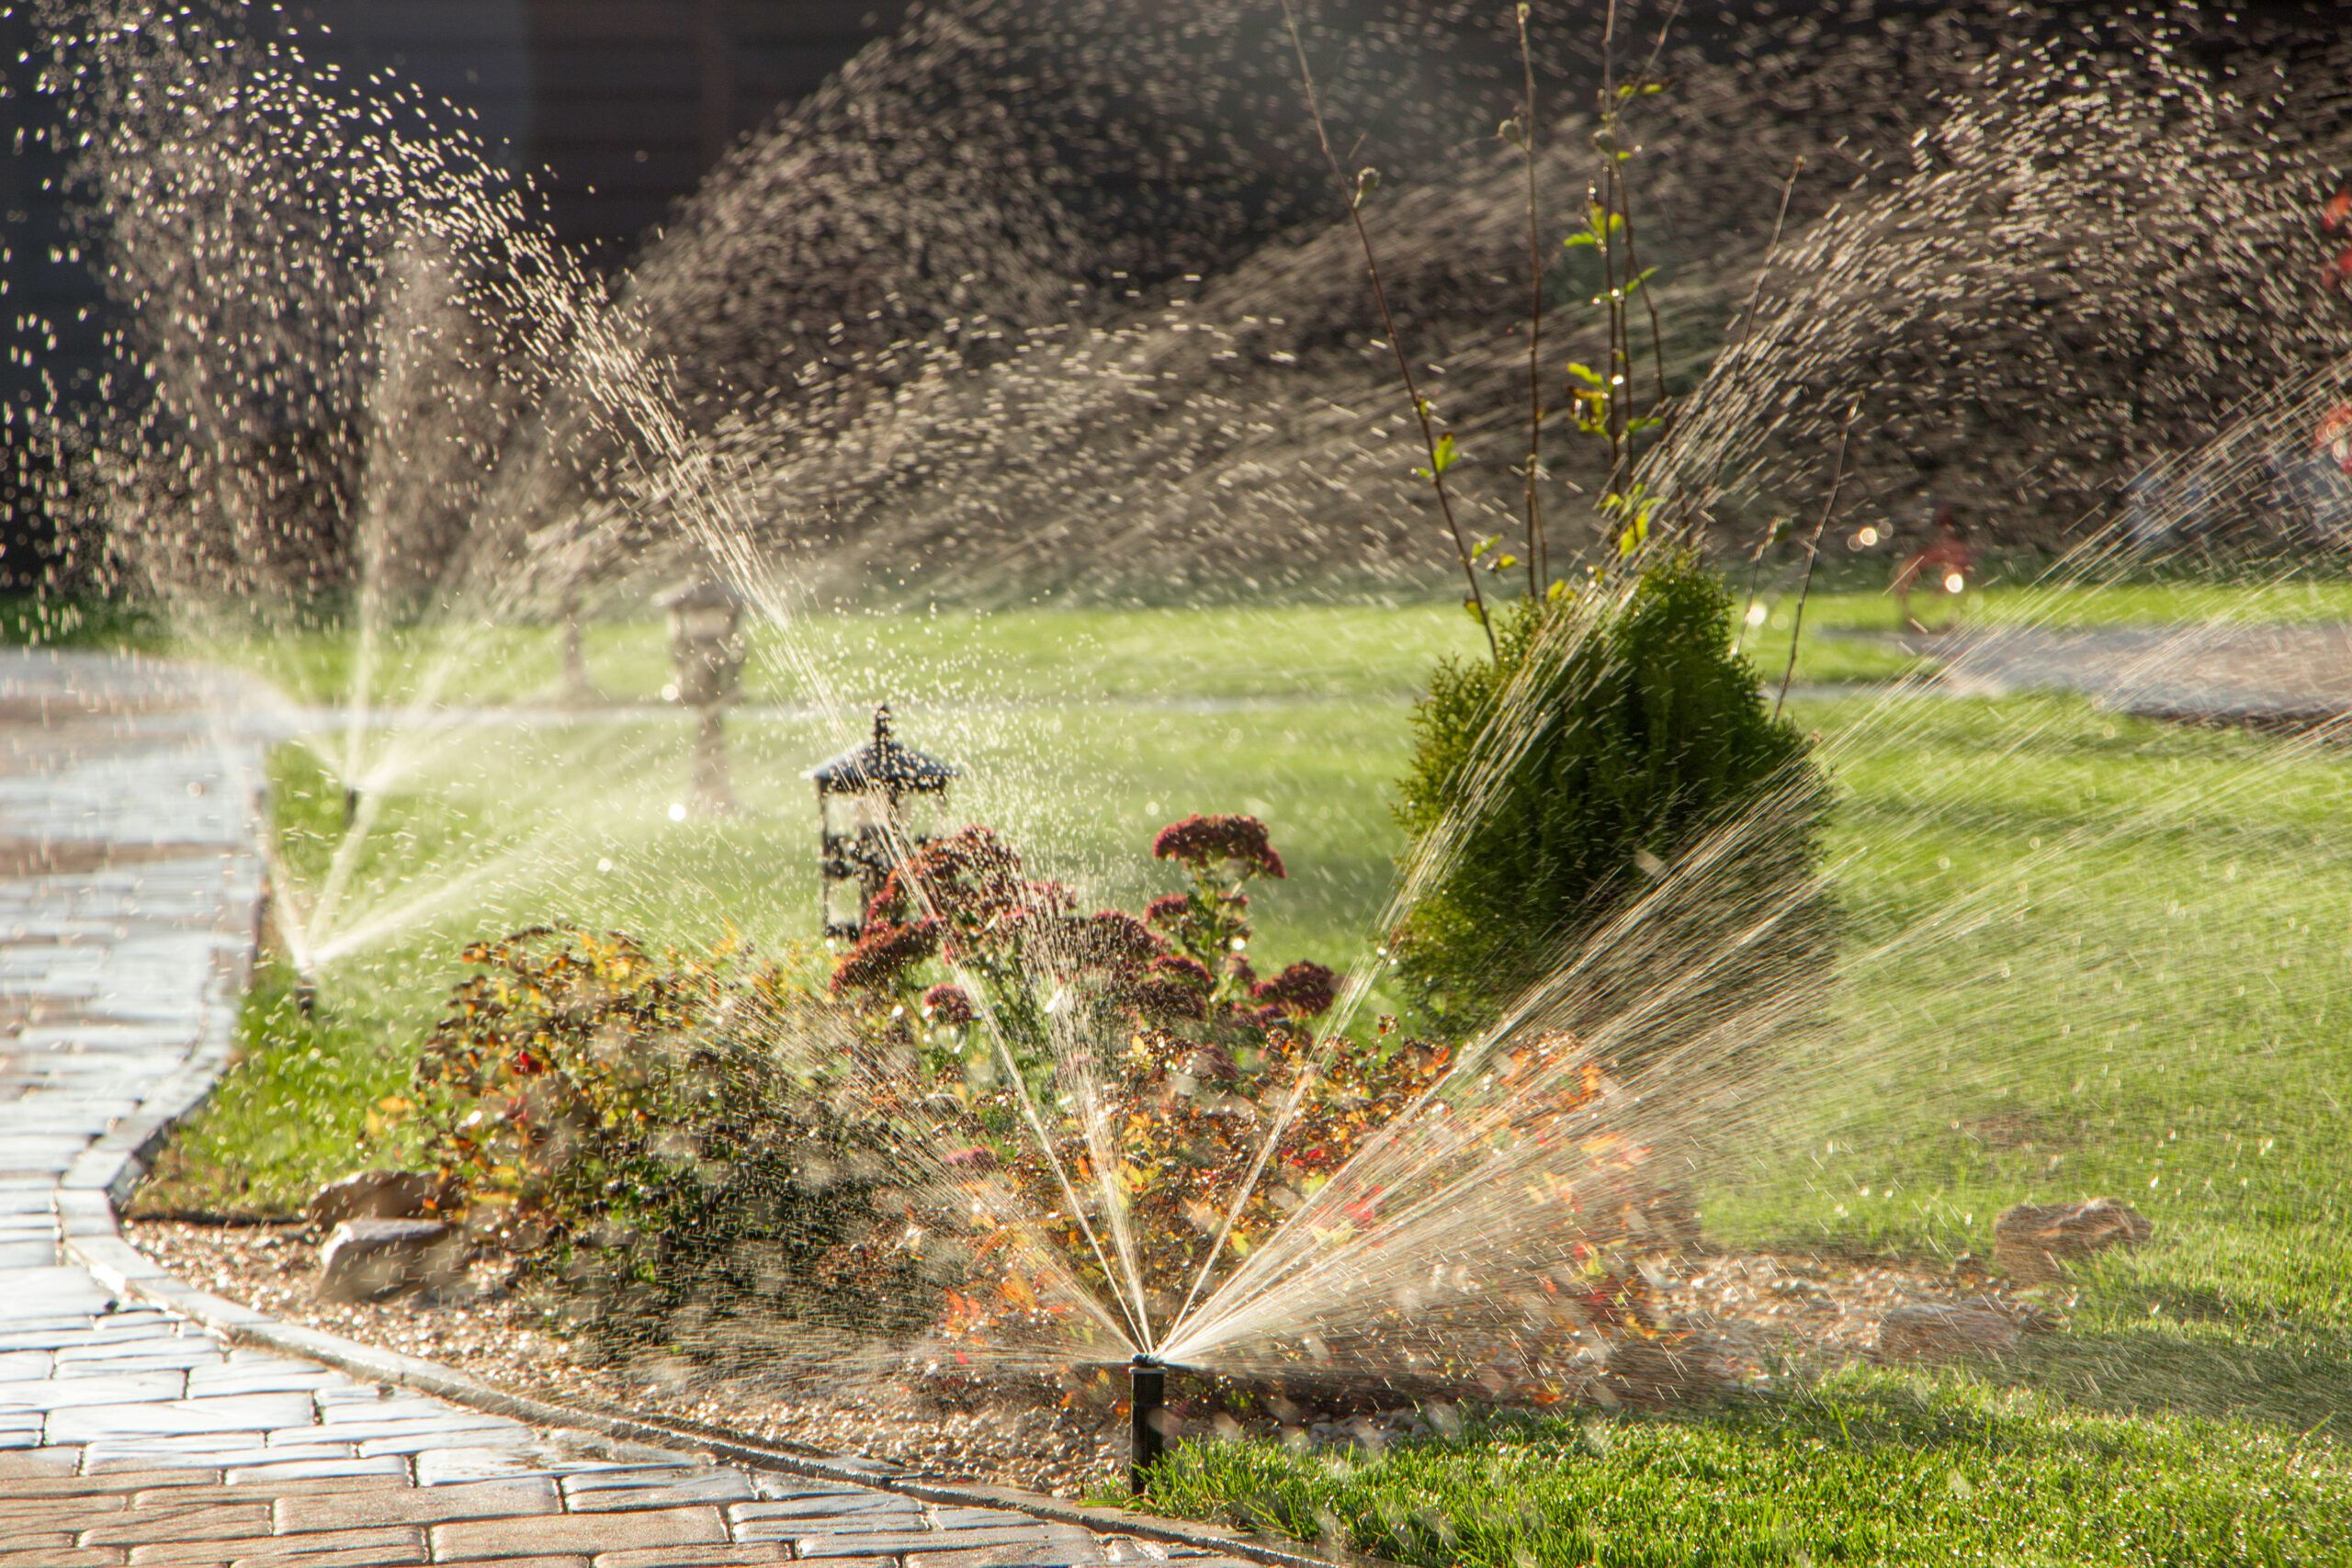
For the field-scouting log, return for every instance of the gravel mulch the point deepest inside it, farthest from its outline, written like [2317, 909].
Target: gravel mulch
[1754, 1317]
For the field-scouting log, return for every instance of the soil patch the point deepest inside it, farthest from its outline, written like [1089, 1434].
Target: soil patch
[1753, 1317]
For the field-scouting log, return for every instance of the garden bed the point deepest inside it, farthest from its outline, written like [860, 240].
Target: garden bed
[1754, 1318]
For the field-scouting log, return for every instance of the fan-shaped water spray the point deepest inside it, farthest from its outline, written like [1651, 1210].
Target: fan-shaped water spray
[371, 378]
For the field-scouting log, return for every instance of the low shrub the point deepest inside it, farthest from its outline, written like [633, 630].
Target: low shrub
[651, 1130]
[1006, 1125]
[1643, 732]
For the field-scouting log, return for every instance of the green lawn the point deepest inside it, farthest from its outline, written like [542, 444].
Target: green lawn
[2152, 993]
[2125, 937]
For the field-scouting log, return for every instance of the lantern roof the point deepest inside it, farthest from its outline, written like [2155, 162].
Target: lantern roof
[702, 592]
[882, 764]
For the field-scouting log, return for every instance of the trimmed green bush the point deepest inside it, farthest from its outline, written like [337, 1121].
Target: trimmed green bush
[1644, 731]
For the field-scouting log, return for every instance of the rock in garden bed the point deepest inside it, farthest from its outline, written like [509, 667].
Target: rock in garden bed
[2033, 1242]
[376, 1195]
[368, 1260]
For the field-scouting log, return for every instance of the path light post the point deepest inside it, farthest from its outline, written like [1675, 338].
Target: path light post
[706, 653]
[873, 804]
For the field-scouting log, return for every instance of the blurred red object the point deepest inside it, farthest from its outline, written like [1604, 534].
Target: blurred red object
[2339, 271]
[2334, 436]
[1945, 562]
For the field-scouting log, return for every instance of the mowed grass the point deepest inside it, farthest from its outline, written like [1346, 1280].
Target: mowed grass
[1157, 655]
[2112, 958]
[2087, 955]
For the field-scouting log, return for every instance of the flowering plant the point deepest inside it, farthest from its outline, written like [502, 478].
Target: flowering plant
[679, 1117]
[1165, 1110]
[958, 934]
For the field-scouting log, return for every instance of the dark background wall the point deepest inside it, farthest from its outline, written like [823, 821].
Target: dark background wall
[617, 106]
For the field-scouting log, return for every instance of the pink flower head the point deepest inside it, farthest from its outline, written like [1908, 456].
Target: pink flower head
[1167, 912]
[970, 876]
[1303, 990]
[1161, 1000]
[948, 1005]
[1184, 970]
[1110, 939]
[884, 954]
[1199, 842]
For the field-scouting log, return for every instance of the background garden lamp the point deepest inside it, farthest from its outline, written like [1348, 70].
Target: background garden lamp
[707, 652]
[874, 803]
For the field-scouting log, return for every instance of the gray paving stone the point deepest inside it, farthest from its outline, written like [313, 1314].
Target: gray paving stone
[232, 1413]
[206, 1449]
[462, 1462]
[52, 1393]
[830, 1500]
[187, 1352]
[951, 1518]
[1033, 1554]
[316, 1469]
[41, 1298]
[601, 1493]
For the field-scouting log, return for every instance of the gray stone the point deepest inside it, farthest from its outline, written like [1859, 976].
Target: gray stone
[367, 1261]
[375, 1195]
[2033, 1242]
[1944, 1333]
[180, 1418]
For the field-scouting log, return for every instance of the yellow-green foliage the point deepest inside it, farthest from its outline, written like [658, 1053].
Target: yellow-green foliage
[1648, 730]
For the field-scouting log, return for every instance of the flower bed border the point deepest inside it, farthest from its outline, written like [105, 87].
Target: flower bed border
[102, 1178]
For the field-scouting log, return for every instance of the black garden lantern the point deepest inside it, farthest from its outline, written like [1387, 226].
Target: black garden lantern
[874, 803]
[706, 656]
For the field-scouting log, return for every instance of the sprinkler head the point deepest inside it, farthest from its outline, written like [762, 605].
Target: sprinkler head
[306, 995]
[350, 806]
[1148, 1436]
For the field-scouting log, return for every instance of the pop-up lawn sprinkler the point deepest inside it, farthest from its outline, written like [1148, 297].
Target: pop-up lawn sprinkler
[1148, 1405]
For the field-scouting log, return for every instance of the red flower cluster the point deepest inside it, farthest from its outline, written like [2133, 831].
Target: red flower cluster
[883, 954]
[1199, 842]
[1110, 939]
[1303, 990]
[948, 1005]
[1189, 971]
[1161, 998]
[971, 876]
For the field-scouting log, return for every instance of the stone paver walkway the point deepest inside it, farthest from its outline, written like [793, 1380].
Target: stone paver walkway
[2286, 675]
[129, 1435]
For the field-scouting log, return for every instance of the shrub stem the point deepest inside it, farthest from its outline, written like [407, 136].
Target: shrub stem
[1812, 556]
[1353, 194]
